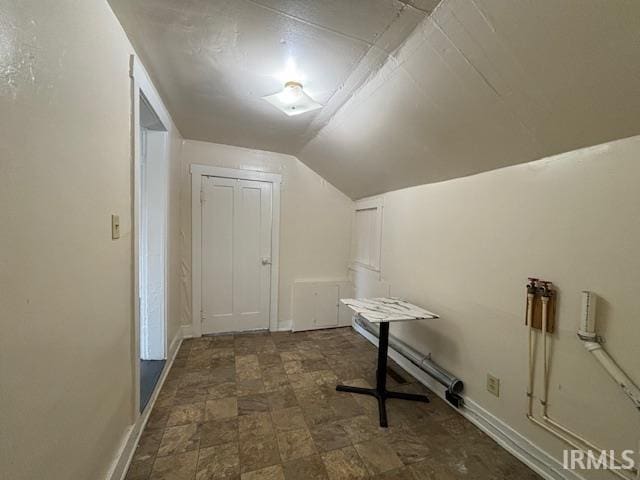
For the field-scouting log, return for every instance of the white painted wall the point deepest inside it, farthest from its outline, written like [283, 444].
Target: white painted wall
[174, 236]
[315, 221]
[66, 351]
[464, 249]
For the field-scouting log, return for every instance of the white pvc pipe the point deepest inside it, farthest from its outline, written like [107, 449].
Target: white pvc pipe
[576, 445]
[621, 378]
[585, 443]
[545, 386]
[587, 330]
[587, 333]
[576, 441]
[530, 297]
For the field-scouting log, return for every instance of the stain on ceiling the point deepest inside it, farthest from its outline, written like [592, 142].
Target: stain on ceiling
[412, 92]
[213, 60]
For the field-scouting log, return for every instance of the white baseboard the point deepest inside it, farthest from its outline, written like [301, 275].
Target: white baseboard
[514, 442]
[132, 434]
[187, 331]
[285, 326]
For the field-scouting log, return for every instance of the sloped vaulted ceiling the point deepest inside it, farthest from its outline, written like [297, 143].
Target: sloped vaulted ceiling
[484, 84]
[213, 60]
[476, 85]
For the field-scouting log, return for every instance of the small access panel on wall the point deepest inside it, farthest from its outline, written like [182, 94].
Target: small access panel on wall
[367, 233]
[317, 305]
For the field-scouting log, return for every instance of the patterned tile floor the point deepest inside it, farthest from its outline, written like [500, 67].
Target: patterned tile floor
[264, 407]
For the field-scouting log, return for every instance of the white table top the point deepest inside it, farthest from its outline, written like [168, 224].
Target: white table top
[387, 309]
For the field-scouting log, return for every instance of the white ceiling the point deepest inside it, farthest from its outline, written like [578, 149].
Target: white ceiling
[213, 60]
[475, 86]
[484, 84]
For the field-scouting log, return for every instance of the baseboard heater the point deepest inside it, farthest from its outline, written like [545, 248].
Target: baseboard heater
[453, 384]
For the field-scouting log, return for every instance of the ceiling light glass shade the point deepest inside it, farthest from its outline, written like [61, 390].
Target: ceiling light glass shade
[292, 92]
[292, 100]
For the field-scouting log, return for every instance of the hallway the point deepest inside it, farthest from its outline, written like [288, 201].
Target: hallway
[212, 209]
[264, 406]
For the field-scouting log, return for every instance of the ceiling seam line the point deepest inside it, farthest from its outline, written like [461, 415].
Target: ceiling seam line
[372, 46]
[487, 82]
[352, 98]
[388, 57]
[407, 4]
[309, 23]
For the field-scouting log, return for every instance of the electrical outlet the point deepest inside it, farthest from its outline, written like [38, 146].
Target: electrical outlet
[493, 385]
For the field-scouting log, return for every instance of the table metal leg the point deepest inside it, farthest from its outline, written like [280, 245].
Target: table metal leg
[380, 392]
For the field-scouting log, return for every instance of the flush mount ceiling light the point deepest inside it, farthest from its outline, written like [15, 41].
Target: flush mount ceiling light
[292, 100]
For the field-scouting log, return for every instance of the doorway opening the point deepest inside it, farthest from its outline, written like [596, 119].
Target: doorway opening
[153, 189]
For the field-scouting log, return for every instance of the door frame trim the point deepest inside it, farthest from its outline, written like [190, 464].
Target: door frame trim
[199, 171]
[141, 84]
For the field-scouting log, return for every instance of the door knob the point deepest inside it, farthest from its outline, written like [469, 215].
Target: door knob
[266, 260]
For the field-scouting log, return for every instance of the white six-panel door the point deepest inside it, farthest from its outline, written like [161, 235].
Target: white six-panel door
[236, 254]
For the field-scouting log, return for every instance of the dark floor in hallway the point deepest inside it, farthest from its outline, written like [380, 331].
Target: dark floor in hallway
[150, 371]
[264, 406]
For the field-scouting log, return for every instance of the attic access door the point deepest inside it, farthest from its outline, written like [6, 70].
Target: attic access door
[236, 254]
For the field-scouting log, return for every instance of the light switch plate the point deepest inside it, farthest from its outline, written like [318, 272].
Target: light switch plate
[493, 385]
[115, 227]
